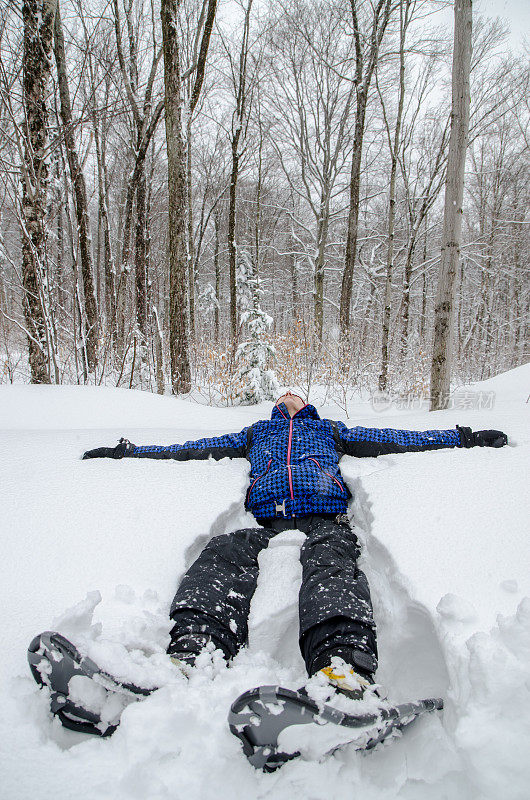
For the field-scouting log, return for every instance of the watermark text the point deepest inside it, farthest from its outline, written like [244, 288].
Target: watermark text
[461, 400]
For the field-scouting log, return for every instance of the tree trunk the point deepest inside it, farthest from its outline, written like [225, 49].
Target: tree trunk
[137, 175]
[191, 248]
[239, 117]
[353, 216]
[178, 324]
[38, 33]
[454, 193]
[232, 250]
[125, 266]
[78, 331]
[295, 293]
[109, 269]
[59, 232]
[141, 256]
[407, 280]
[81, 204]
[423, 320]
[363, 76]
[159, 353]
[209, 8]
[217, 268]
[322, 237]
[385, 354]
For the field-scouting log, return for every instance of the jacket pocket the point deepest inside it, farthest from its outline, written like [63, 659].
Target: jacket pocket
[333, 478]
[255, 481]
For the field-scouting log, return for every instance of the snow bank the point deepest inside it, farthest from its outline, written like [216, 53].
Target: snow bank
[89, 407]
[96, 549]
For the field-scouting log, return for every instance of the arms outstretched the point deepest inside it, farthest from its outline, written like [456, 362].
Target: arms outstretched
[231, 445]
[383, 441]
[351, 441]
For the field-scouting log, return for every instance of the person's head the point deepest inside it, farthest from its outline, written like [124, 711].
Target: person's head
[293, 402]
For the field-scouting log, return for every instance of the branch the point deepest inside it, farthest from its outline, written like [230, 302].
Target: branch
[201, 61]
[128, 88]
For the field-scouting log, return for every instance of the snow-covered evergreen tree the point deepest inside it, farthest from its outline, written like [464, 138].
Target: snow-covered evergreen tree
[208, 301]
[258, 382]
[244, 275]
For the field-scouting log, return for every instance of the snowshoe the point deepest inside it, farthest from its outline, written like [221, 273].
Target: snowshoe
[260, 716]
[54, 662]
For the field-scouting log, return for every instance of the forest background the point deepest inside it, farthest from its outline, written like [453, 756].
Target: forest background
[308, 177]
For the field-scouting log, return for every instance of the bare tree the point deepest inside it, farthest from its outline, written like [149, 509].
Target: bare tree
[404, 21]
[454, 194]
[238, 132]
[145, 116]
[367, 47]
[178, 192]
[80, 196]
[495, 265]
[420, 198]
[101, 126]
[308, 50]
[176, 163]
[200, 46]
[291, 136]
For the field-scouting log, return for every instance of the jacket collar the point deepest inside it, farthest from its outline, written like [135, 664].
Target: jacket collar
[306, 412]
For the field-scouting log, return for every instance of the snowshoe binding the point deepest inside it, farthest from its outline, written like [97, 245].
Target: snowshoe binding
[345, 679]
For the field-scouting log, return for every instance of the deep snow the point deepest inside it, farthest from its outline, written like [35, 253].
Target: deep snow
[95, 549]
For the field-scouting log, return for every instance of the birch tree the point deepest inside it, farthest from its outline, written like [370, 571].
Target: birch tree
[454, 194]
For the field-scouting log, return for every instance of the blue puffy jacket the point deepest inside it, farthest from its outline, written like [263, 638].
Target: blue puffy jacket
[295, 460]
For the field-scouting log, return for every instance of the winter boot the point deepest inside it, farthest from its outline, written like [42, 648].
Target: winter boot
[344, 678]
[184, 662]
[184, 650]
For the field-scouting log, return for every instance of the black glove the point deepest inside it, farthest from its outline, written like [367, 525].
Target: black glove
[124, 448]
[468, 438]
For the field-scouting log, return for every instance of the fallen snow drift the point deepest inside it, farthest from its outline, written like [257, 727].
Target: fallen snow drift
[95, 549]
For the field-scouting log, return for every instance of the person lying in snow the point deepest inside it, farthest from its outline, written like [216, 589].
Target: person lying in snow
[295, 482]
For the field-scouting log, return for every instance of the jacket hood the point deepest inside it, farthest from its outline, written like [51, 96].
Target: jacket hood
[306, 412]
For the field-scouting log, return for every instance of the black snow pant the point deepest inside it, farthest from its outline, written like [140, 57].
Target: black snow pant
[212, 602]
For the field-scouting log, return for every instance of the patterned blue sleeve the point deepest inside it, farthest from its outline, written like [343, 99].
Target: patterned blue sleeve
[382, 441]
[231, 445]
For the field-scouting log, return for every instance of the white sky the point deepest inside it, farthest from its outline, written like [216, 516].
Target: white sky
[516, 13]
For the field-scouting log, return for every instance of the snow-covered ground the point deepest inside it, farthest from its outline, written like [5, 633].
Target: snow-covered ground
[96, 548]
